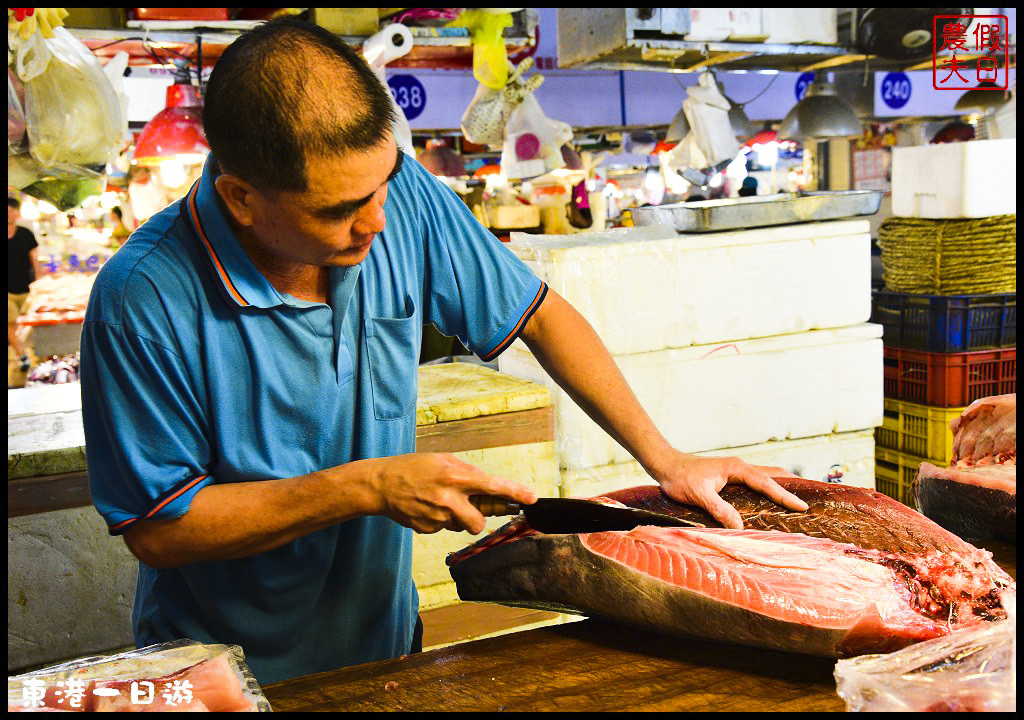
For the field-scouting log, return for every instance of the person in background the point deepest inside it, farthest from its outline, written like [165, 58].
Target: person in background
[22, 269]
[121, 233]
[748, 188]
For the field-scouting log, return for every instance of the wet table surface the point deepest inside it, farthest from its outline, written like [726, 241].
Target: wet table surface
[589, 665]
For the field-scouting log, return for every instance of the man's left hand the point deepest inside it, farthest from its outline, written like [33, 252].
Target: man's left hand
[695, 480]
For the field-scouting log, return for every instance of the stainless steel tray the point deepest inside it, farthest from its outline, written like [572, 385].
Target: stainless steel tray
[759, 211]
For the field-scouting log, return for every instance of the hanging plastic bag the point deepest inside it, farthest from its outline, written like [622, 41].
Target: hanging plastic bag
[72, 111]
[17, 140]
[707, 111]
[490, 61]
[63, 185]
[533, 142]
[484, 121]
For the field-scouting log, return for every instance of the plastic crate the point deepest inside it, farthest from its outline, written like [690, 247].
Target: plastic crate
[917, 430]
[895, 473]
[948, 379]
[945, 323]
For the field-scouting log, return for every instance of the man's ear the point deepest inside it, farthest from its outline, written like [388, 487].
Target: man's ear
[239, 197]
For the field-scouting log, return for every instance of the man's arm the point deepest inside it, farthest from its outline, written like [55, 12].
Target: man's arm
[425, 491]
[569, 349]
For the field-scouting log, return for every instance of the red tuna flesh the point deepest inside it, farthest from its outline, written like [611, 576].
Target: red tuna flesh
[976, 496]
[778, 588]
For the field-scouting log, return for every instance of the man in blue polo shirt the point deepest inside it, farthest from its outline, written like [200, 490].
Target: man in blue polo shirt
[249, 371]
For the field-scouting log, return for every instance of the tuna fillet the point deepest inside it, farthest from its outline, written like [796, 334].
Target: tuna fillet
[858, 573]
[976, 496]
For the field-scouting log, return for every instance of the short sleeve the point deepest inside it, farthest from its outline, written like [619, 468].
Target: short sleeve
[145, 446]
[475, 287]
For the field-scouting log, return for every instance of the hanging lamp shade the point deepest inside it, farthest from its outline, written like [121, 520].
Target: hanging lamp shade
[820, 115]
[741, 126]
[176, 132]
[984, 97]
[678, 128]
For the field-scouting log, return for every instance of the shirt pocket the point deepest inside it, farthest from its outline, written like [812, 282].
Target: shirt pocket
[393, 349]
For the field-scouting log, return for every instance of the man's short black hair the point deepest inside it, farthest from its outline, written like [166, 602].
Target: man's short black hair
[13, 203]
[288, 90]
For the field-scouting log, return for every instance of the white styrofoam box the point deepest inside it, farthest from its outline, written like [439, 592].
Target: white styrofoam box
[746, 24]
[814, 458]
[647, 288]
[709, 24]
[955, 180]
[801, 25]
[729, 395]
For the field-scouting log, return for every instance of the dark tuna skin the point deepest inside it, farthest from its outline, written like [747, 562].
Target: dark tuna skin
[838, 512]
[973, 512]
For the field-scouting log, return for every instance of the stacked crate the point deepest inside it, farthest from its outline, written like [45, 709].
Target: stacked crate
[941, 354]
[752, 343]
[943, 350]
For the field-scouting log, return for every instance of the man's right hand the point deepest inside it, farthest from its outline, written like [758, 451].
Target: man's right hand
[430, 491]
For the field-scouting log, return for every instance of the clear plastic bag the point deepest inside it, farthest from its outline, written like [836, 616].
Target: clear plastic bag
[970, 670]
[179, 675]
[72, 111]
[17, 140]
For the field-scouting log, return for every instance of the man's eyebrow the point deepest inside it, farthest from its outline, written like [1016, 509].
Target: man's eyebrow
[347, 207]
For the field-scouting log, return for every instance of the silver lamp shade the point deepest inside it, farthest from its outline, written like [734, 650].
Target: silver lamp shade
[821, 114]
[981, 99]
[678, 128]
[742, 128]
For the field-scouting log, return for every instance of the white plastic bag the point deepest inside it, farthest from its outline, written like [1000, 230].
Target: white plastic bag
[968, 670]
[533, 142]
[707, 111]
[72, 111]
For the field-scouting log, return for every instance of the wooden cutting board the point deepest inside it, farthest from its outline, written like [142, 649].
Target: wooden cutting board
[582, 666]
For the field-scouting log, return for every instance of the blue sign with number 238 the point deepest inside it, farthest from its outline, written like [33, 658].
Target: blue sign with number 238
[895, 90]
[409, 95]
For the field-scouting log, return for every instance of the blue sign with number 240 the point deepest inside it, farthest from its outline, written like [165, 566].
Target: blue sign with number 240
[896, 90]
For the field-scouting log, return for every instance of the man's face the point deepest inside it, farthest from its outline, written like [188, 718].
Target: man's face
[335, 220]
[12, 216]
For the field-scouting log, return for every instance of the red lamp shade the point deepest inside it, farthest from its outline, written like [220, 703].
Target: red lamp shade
[763, 138]
[175, 132]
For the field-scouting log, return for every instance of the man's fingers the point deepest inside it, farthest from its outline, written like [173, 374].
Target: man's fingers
[766, 486]
[726, 515]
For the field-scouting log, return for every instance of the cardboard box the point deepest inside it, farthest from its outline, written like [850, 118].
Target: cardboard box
[82, 17]
[348, 21]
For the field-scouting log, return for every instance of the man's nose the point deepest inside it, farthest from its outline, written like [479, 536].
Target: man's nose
[372, 219]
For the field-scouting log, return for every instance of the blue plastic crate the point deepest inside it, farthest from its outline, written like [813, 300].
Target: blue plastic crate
[946, 323]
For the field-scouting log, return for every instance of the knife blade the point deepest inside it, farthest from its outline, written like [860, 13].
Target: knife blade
[559, 516]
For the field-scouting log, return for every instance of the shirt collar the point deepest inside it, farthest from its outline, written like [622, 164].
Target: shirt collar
[242, 280]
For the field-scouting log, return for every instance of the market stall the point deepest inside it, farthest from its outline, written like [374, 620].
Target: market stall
[740, 285]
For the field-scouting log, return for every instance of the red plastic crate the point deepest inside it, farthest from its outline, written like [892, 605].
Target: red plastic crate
[949, 379]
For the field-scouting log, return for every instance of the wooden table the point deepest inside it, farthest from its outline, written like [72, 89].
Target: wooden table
[589, 665]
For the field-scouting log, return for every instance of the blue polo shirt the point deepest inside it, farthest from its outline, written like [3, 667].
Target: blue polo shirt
[195, 370]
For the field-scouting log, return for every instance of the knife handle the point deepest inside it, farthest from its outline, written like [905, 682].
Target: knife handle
[494, 506]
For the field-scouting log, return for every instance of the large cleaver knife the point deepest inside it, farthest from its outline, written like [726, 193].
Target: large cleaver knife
[556, 516]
